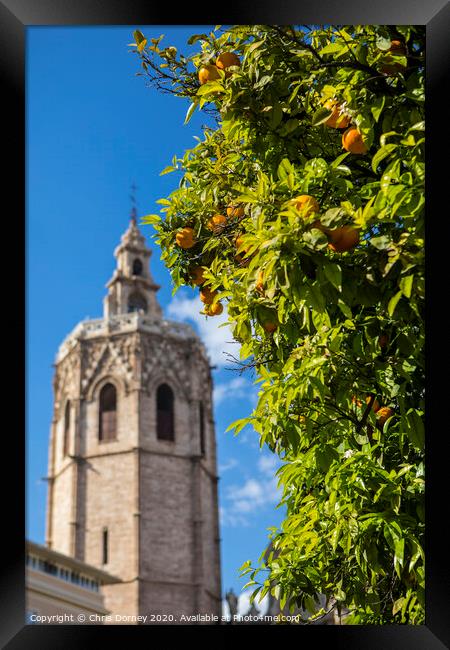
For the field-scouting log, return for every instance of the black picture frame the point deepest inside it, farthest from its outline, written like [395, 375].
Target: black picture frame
[15, 17]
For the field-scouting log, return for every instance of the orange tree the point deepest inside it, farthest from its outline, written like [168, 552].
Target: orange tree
[302, 208]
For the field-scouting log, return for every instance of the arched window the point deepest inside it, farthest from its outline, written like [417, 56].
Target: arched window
[137, 267]
[136, 302]
[201, 415]
[105, 548]
[66, 439]
[107, 429]
[165, 429]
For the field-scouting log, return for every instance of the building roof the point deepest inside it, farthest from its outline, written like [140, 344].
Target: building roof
[72, 563]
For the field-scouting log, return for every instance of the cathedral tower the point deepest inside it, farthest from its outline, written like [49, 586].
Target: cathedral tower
[132, 454]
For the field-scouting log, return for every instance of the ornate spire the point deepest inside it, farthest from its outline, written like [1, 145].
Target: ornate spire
[133, 213]
[132, 287]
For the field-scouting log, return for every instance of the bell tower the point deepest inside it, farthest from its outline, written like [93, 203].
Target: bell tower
[132, 455]
[131, 287]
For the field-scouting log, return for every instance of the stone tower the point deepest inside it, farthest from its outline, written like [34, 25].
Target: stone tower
[132, 455]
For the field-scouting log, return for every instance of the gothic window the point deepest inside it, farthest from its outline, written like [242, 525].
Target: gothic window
[201, 415]
[164, 413]
[136, 302]
[105, 546]
[107, 413]
[66, 439]
[137, 267]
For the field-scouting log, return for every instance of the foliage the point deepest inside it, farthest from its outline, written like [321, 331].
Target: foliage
[346, 325]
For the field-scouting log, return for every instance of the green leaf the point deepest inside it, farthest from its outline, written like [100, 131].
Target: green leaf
[406, 285]
[377, 107]
[382, 153]
[276, 115]
[284, 169]
[197, 37]
[382, 243]
[167, 170]
[332, 48]
[333, 273]
[396, 607]
[190, 112]
[416, 430]
[383, 43]
[138, 36]
[345, 309]
[399, 551]
[321, 116]
[393, 303]
[209, 88]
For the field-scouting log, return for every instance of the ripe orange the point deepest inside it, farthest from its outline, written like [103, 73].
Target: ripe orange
[259, 286]
[306, 204]
[196, 275]
[353, 142]
[398, 48]
[243, 257]
[227, 59]
[375, 405]
[217, 223]
[208, 73]
[207, 296]
[383, 414]
[185, 238]
[391, 68]
[336, 120]
[235, 211]
[343, 239]
[215, 310]
[357, 402]
[270, 326]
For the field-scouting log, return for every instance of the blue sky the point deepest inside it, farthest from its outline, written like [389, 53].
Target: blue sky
[94, 127]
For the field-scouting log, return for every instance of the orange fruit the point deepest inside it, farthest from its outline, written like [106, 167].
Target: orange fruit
[238, 241]
[306, 204]
[196, 275]
[217, 223]
[353, 142]
[357, 402]
[375, 405]
[227, 59]
[235, 211]
[244, 252]
[391, 68]
[215, 310]
[383, 414]
[343, 239]
[259, 286]
[336, 120]
[185, 238]
[207, 296]
[398, 48]
[208, 73]
[270, 326]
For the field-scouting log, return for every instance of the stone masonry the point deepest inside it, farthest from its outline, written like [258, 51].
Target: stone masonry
[156, 498]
